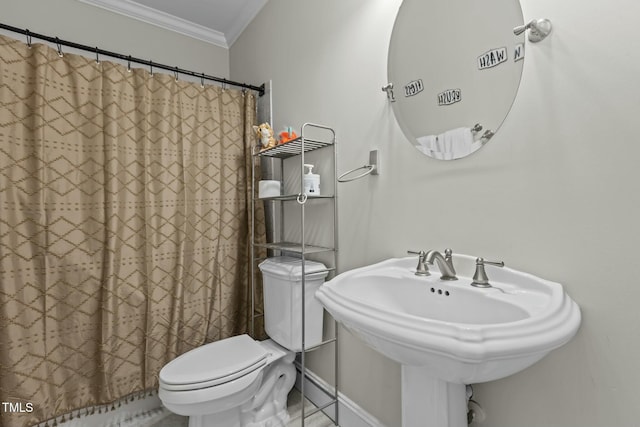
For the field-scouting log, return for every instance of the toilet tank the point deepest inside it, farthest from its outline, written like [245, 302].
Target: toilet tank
[282, 283]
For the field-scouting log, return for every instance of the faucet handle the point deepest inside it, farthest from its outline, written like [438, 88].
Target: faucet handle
[480, 278]
[448, 254]
[421, 269]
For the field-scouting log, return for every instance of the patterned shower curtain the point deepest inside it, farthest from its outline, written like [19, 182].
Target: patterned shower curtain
[124, 212]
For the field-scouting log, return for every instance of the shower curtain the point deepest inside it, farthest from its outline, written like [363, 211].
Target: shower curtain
[124, 218]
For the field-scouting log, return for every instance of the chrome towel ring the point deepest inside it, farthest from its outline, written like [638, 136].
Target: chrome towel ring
[369, 170]
[373, 168]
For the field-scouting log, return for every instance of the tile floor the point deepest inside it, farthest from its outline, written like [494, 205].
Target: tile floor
[316, 420]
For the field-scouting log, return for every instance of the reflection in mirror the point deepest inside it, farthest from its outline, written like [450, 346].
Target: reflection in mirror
[455, 67]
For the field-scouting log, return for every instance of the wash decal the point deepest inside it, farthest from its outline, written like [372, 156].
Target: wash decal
[492, 58]
[518, 52]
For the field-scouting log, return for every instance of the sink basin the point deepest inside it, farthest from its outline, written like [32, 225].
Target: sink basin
[449, 331]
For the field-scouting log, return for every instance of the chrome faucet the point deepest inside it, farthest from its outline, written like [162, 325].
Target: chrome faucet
[421, 269]
[445, 263]
[480, 279]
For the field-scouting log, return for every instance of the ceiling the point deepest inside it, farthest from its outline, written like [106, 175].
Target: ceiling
[219, 22]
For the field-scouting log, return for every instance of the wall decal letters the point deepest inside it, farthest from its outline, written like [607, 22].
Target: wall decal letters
[449, 96]
[492, 58]
[518, 52]
[413, 88]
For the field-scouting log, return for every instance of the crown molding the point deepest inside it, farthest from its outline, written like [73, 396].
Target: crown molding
[250, 12]
[160, 19]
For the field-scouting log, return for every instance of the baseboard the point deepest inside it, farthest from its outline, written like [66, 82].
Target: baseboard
[350, 414]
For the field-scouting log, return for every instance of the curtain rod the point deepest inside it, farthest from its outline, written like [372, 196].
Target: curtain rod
[129, 58]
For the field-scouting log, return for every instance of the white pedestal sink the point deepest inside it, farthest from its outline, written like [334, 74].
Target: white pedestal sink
[447, 334]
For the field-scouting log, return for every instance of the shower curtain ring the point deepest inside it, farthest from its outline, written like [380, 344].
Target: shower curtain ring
[60, 54]
[175, 73]
[129, 64]
[97, 56]
[202, 81]
[151, 68]
[28, 38]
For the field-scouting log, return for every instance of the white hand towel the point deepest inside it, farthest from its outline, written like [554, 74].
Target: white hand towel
[458, 142]
[427, 143]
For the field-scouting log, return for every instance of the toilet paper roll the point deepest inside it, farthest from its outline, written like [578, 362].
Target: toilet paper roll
[268, 188]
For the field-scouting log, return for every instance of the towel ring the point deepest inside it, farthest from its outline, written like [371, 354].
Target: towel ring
[370, 169]
[373, 168]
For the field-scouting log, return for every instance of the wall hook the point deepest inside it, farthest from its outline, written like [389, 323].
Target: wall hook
[539, 29]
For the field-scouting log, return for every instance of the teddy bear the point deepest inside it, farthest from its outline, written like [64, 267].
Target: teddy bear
[265, 136]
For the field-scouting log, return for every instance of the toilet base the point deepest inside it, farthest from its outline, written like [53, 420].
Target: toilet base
[268, 408]
[264, 404]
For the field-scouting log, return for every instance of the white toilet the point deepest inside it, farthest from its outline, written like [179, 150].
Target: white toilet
[240, 382]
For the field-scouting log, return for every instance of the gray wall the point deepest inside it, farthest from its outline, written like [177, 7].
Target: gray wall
[81, 23]
[555, 193]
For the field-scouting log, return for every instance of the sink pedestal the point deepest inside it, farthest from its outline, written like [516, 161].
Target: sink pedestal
[428, 401]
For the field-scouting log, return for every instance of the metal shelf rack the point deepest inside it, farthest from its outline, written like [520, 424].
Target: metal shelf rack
[298, 147]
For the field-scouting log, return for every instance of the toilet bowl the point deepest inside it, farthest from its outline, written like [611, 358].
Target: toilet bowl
[240, 382]
[236, 382]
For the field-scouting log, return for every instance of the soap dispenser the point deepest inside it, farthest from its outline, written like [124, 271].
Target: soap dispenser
[311, 182]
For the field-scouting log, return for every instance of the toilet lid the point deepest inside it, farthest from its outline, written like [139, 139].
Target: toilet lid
[215, 363]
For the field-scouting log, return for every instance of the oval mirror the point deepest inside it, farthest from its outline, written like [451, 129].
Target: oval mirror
[455, 67]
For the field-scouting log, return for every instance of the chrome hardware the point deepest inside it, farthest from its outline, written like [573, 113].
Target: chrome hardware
[448, 256]
[389, 89]
[487, 135]
[445, 263]
[480, 279]
[538, 29]
[373, 168]
[421, 269]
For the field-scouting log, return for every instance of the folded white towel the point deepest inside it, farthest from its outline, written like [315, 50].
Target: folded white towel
[427, 141]
[449, 145]
[427, 144]
[458, 141]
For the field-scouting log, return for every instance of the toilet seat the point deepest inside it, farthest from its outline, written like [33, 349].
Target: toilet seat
[214, 364]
